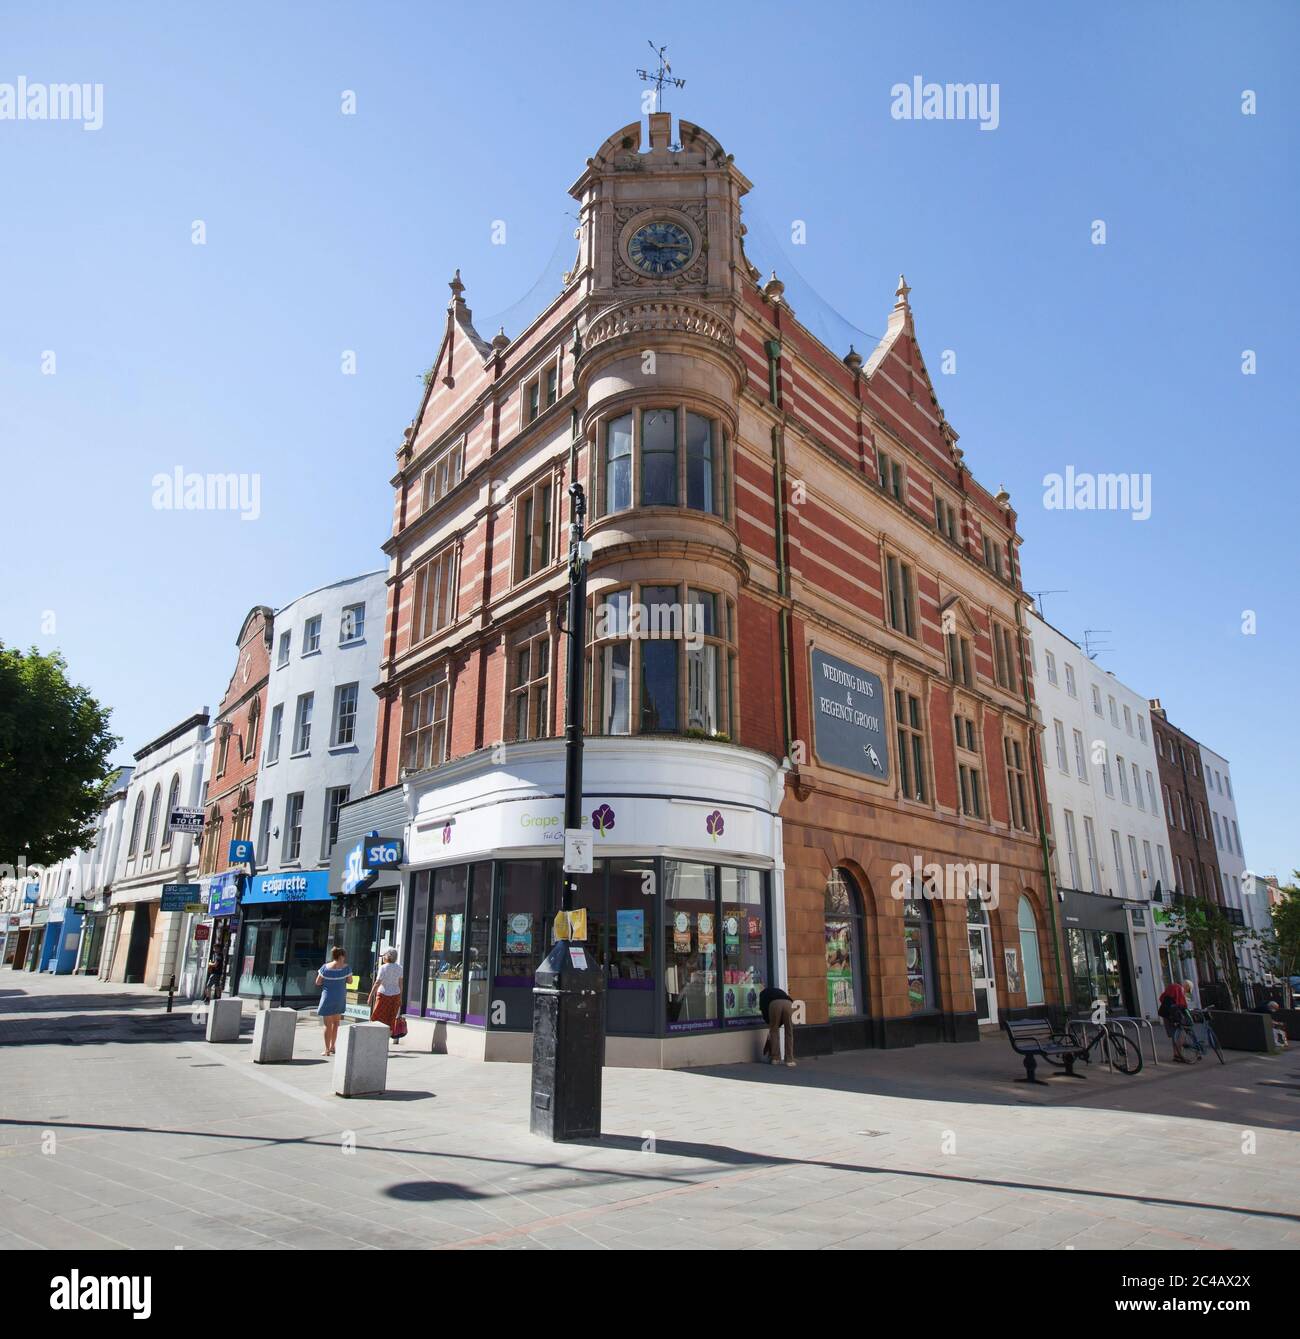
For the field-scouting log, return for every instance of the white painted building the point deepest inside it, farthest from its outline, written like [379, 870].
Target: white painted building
[1110, 840]
[1226, 831]
[318, 753]
[143, 943]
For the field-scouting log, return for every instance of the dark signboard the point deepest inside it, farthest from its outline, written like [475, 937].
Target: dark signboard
[850, 722]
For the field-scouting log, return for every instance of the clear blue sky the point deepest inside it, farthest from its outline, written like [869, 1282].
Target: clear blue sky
[328, 232]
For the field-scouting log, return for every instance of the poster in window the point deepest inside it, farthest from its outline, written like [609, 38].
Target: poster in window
[731, 933]
[519, 933]
[840, 998]
[755, 932]
[456, 922]
[682, 932]
[439, 932]
[705, 925]
[631, 931]
[1014, 983]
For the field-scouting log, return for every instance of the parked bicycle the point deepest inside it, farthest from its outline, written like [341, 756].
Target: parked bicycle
[1190, 1042]
[1122, 1052]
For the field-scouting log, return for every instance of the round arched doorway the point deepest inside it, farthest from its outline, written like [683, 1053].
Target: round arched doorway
[846, 983]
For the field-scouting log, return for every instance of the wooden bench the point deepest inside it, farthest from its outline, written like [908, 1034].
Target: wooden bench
[1032, 1037]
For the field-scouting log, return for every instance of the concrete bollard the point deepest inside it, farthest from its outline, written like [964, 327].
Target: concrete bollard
[273, 1034]
[361, 1064]
[224, 1017]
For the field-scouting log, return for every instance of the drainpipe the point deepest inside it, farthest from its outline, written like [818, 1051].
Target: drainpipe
[772, 348]
[1038, 809]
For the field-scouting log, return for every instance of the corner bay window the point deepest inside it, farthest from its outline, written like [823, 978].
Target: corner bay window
[662, 457]
[661, 659]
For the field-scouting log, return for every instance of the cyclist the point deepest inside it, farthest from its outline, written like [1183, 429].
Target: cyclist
[1173, 1009]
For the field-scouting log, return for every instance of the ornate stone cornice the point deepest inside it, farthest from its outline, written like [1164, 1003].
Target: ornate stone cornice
[658, 316]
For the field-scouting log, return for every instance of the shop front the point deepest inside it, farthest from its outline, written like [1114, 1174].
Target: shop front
[8, 937]
[682, 905]
[283, 937]
[1099, 953]
[16, 941]
[91, 948]
[364, 909]
[36, 940]
[221, 893]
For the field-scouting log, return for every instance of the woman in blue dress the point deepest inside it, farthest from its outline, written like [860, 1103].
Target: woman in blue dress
[333, 977]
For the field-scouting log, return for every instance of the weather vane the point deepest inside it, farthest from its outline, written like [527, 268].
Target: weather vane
[663, 75]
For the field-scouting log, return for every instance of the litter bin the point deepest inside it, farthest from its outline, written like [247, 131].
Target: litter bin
[568, 1044]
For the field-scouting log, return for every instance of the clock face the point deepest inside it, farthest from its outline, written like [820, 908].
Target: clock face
[661, 248]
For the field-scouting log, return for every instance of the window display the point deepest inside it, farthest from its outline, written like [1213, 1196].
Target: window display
[744, 944]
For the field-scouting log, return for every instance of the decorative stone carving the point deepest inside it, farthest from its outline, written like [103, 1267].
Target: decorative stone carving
[666, 315]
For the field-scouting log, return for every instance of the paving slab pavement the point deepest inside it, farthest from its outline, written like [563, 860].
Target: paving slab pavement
[120, 1126]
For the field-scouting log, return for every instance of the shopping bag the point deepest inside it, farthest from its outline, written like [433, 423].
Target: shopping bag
[399, 1026]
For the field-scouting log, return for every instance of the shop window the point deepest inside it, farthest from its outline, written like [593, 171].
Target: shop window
[675, 647]
[1097, 963]
[534, 527]
[662, 457]
[521, 929]
[845, 979]
[911, 745]
[530, 672]
[630, 933]
[918, 955]
[443, 473]
[478, 944]
[416, 949]
[426, 727]
[443, 982]
[744, 944]
[435, 595]
[1029, 956]
[690, 946]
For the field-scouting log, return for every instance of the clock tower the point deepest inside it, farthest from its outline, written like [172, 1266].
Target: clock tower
[663, 221]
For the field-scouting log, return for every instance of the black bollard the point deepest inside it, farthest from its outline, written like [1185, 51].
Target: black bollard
[171, 992]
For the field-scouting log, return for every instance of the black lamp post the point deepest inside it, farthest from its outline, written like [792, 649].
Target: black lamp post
[569, 996]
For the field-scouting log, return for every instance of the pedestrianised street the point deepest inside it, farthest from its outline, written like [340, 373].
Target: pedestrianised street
[121, 1127]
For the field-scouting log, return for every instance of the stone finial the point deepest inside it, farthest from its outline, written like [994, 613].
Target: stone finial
[901, 292]
[500, 339]
[853, 360]
[774, 289]
[1003, 498]
[457, 288]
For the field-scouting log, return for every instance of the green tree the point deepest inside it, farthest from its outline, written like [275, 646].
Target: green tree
[1284, 949]
[1199, 929]
[54, 769]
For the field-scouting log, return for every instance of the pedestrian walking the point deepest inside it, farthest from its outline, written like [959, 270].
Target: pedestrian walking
[386, 994]
[333, 978]
[1173, 1009]
[777, 1009]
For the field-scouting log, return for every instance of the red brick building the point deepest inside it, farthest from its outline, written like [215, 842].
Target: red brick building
[237, 731]
[809, 712]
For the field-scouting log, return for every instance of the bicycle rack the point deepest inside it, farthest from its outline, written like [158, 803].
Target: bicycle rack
[1136, 1023]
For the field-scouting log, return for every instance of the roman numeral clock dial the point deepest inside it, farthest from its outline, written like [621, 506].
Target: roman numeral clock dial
[660, 248]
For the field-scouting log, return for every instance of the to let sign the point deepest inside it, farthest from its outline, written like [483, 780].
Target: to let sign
[849, 725]
[182, 897]
[183, 819]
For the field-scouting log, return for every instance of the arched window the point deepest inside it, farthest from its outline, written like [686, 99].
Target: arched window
[137, 819]
[918, 953]
[254, 719]
[845, 977]
[1033, 965]
[152, 830]
[173, 799]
